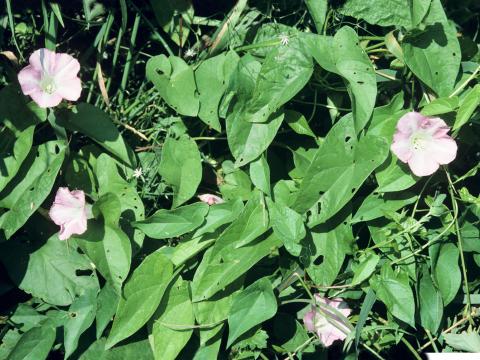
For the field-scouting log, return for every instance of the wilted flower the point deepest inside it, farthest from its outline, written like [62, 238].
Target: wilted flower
[210, 199]
[423, 143]
[323, 321]
[70, 212]
[50, 77]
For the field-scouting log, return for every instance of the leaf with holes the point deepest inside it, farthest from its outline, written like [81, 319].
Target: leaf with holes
[175, 82]
[338, 169]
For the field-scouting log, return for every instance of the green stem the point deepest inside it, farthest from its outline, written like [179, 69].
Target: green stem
[465, 83]
[410, 347]
[452, 190]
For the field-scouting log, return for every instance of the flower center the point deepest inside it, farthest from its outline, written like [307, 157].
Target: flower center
[420, 141]
[47, 84]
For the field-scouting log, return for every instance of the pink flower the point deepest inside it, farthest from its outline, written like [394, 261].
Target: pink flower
[423, 143]
[50, 77]
[70, 212]
[211, 199]
[325, 322]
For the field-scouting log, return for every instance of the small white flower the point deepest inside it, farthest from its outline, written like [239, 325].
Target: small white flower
[137, 173]
[190, 53]
[284, 39]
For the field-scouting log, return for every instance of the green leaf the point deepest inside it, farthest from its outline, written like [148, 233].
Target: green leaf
[235, 184]
[175, 82]
[181, 167]
[394, 175]
[229, 263]
[165, 224]
[377, 205]
[110, 181]
[260, 174]
[288, 226]
[106, 244]
[338, 169]
[440, 106]
[30, 187]
[98, 126]
[212, 78]
[251, 307]
[210, 339]
[365, 267]
[18, 120]
[342, 55]
[393, 289]
[218, 215]
[284, 72]
[50, 271]
[330, 244]
[387, 12]
[318, 12]
[433, 55]
[298, 123]
[368, 302]
[173, 322]
[465, 341]
[445, 270]
[139, 350]
[430, 301]
[247, 140]
[141, 297]
[174, 16]
[468, 105]
[107, 303]
[81, 316]
[35, 344]
[252, 222]
[14, 149]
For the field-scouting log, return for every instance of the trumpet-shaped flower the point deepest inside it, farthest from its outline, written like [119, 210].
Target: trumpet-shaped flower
[50, 77]
[423, 143]
[70, 212]
[325, 322]
[211, 199]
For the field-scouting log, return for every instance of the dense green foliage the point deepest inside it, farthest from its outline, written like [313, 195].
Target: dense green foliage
[286, 110]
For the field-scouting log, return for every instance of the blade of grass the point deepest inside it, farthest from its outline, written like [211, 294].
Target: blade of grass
[11, 23]
[128, 62]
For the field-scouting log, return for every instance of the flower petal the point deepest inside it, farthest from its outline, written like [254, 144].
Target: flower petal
[69, 89]
[76, 227]
[66, 67]
[308, 320]
[69, 211]
[45, 100]
[422, 163]
[29, 80]
[211, 199]
[43, 60]
[443, 150]
[409, 122]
